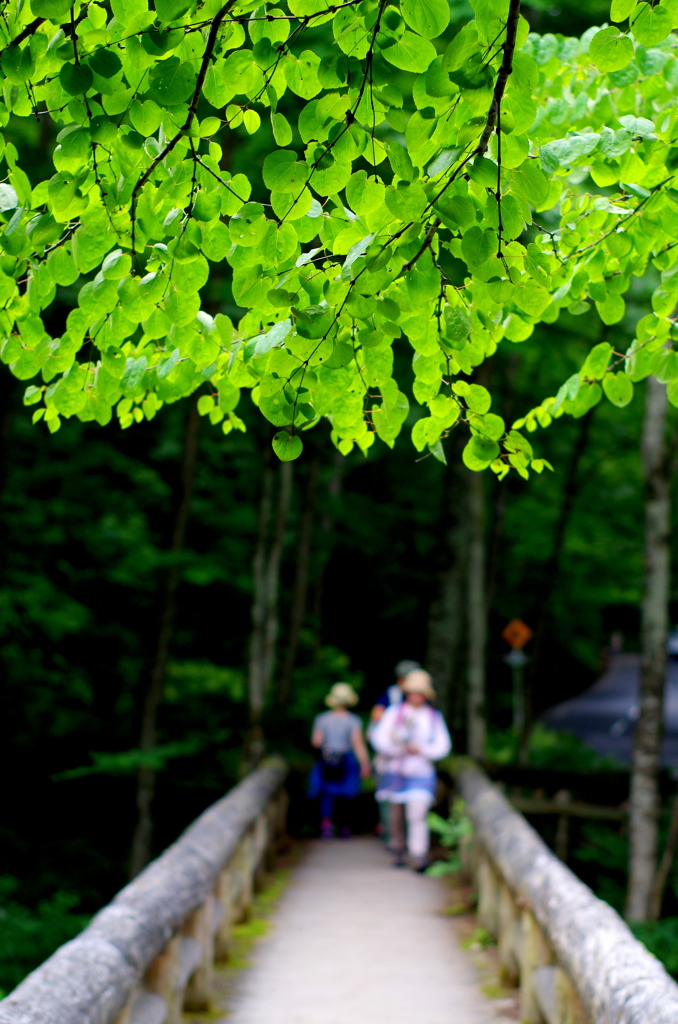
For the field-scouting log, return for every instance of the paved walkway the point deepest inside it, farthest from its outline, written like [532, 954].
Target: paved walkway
[357, 942]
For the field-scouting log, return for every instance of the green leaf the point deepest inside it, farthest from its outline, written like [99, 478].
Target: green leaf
[75, 79]
[302, 75]
[438, 452]
[666, 366]
[479, 453]
[427, 17]
[283, 173]
[172, 82]
[596, 361]
[364, 195]
[651, 25]
[282, 131]
[265, 342]
[8, 197]
[170, 10]
[116, 265]
[620, 9]
[609, 50]
[146, 117]
[105, 63]
[54, 10]
[478, 398]
[618, 388]
[477, 246]
[407, 201]
[330, 180]
[462, 47]
[287, 446]
[400, 160]
[17, 64]
[410, 53]
[612, 309]
[489, 426]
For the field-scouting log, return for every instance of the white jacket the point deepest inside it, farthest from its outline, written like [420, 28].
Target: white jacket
[401, 726]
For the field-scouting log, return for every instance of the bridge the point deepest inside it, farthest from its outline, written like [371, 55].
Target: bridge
[354, 942]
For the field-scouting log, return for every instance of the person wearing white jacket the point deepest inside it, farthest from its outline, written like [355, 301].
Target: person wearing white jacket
[410, 736]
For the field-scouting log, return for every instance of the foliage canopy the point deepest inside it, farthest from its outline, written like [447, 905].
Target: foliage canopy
[456, 189]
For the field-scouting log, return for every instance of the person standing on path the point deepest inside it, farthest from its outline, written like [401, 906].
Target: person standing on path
[338, 735]
[410, 736]
[392, 695]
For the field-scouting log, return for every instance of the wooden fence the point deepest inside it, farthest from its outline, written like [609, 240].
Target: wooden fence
[149, 954]
[574, 958]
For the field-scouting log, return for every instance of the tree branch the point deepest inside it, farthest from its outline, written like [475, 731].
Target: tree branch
[193, 106]
[503, 76]
[26, 32]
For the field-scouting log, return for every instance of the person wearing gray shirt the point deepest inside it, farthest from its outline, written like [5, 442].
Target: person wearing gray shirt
[338, 735]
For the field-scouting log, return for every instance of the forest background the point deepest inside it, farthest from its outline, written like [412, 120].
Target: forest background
[370, 546]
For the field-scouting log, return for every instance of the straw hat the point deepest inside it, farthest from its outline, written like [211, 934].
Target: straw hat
[419, 681]
[342, 695]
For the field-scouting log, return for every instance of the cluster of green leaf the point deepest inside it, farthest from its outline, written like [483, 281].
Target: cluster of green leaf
[661, 938]
[451, 831]
[365, 239]
[29, 937]
[549, 749]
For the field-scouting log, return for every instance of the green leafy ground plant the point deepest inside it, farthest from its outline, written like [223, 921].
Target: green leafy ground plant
[430, 189]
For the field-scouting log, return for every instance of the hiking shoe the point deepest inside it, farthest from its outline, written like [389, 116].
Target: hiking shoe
[399, 860]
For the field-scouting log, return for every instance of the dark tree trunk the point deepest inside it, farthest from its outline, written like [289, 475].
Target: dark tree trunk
[266, 577]
[476, 618]
[644, 797]
[334, 488]
[496, 535]
[550, 577]
[300, 593]
[447, 617]
[146, 777]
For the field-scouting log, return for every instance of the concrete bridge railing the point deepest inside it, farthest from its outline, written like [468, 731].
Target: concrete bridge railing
[148, 955]
[574, 958]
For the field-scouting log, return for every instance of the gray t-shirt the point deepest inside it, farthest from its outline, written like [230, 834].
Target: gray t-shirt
[336, 730]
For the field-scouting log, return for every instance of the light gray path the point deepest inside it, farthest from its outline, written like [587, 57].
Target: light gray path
[356, 941]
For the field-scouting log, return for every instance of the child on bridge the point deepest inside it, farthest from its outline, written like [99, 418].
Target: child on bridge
[410, 736]
[338, 735]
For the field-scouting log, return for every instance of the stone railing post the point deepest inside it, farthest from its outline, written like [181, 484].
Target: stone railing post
[509, 938]
[199, 927]
[535, 952]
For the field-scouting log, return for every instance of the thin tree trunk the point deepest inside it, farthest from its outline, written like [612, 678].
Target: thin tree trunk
[477, 619]
[495, 546]
[146, 777]
[550, 572]
[273, 581]
[300, 594]
[550, 577]
[266, 577]
[326, 526]
[644, 796]
[259, 583]
[447, 615]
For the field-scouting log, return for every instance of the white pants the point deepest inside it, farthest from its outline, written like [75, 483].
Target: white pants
[415, 812]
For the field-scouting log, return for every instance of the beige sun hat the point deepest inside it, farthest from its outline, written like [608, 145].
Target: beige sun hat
[419, 681]
[342, 695]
